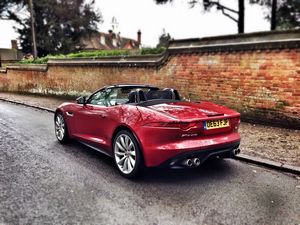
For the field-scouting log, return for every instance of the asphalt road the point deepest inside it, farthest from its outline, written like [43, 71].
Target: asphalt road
[43, 182]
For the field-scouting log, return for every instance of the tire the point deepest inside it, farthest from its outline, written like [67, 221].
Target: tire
[61, 129]
[127, 154]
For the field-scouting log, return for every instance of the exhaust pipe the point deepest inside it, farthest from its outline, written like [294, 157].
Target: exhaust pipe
[236, 151]
[196, 162]
[187, 162]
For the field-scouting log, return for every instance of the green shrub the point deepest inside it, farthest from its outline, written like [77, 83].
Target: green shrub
[98, 53]
[152, 51]
[41, 60]
[95, 54]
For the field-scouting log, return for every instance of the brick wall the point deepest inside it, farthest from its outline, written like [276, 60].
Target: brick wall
[260, 81]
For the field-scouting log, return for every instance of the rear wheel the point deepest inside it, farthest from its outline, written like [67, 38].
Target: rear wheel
[127, 154]
[61, 129]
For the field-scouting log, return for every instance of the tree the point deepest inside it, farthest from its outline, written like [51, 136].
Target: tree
[60, 25]
[285, 14]
[208, 4]
[273, 15]
[164, 39]
[288, 15]
[10, 8]
[273, 5]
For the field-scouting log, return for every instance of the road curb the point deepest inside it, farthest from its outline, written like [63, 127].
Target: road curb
[241, 157]
[25, 104]
[269, 163]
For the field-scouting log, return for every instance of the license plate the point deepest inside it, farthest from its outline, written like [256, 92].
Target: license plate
[213, 124]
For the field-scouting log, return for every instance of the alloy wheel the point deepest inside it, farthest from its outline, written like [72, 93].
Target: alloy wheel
[125, 153]
[60, 127]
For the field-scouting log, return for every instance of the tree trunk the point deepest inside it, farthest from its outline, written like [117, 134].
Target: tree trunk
[241, 19]
[273, 15]
[33, 29]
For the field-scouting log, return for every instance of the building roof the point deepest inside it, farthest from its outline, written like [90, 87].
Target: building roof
[7, 54]
[107, 41]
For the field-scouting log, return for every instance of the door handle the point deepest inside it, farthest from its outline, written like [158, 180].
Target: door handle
[69, 113]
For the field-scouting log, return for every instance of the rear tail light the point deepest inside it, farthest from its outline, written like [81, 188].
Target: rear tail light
[235, 122]
[181, 125]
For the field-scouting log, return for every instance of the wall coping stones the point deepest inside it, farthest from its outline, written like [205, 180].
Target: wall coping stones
[226, 43]
[127, 61]
[42, 68]
[238, 42]
[238, 46]
[2, 70]
[240, 38]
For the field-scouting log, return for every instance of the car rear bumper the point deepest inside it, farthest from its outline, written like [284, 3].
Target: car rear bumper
[157, 154]
[226, 151]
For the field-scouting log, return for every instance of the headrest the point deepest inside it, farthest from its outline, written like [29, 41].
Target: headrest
[136, 96]
[163, 94]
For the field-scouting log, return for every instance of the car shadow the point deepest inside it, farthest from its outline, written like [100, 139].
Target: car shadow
[217, 169]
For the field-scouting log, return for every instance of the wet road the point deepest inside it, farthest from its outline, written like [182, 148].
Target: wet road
[43, 182]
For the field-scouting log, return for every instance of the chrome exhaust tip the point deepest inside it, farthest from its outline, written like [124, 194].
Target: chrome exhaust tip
[236, 151]
[196, 162]
[187, 162]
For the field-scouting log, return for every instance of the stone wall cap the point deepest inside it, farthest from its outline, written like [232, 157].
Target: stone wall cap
[151, 60]
[27, 67]
[114, 58]
[255, 44]
[264, 36]
[2, 70]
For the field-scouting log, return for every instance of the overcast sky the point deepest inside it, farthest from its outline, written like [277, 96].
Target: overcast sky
[176, 18]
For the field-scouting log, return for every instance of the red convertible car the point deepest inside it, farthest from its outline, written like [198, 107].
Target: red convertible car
[144, 126]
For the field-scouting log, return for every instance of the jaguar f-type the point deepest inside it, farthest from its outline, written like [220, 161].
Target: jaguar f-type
[145, 126]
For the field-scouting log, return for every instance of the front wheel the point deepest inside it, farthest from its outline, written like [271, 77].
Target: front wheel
[127, 154]
[61, 129]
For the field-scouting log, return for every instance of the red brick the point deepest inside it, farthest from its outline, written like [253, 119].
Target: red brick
[239, 79]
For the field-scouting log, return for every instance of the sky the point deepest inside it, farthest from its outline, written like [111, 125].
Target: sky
[177, 19]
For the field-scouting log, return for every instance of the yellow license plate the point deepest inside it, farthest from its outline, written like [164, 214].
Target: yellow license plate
[213, 124]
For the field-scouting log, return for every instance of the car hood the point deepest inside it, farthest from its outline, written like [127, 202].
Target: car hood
[193, 111]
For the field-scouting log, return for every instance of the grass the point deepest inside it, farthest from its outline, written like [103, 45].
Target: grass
[95, 54]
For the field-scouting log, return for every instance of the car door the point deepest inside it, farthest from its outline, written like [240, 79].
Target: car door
[94, 121]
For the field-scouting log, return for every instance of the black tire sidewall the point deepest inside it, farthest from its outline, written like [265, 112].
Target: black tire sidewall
[139, 163]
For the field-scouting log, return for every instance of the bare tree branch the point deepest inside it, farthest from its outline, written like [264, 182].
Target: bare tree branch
[228, 15]
[223, 8]
[226, 11]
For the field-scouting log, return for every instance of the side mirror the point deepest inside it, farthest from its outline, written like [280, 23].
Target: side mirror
[81, 100]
